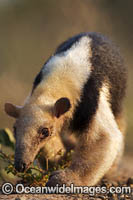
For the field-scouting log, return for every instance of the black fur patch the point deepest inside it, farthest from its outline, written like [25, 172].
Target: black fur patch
[68, 44]
[39, 77]
[87, 106]
[37, 80]
[107, 64]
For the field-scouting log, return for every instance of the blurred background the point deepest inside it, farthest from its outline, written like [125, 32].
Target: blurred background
[30, 31]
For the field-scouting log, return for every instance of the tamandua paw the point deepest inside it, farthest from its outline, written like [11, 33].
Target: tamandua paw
[62, 177]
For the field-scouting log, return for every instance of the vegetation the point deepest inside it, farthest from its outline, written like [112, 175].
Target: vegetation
[35, 175]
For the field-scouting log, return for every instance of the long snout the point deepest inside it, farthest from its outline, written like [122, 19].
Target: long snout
[20, 166]
[25, 153]
[22, 160]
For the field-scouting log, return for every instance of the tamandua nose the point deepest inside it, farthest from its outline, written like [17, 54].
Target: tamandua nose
[20, 166]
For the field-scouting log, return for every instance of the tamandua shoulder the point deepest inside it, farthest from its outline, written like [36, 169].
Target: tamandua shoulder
[77, 70]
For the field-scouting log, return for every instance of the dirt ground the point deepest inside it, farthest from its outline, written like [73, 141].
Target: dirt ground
[123, 178]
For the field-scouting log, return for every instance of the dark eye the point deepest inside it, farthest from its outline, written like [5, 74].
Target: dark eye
[43, 132]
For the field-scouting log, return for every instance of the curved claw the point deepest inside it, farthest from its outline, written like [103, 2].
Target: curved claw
[54, 179]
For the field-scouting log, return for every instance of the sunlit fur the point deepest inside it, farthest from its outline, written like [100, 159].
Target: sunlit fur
[87, 70]
[65, 75]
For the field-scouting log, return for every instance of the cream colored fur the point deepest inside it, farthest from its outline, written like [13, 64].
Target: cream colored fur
[65, 75]
[97, 149]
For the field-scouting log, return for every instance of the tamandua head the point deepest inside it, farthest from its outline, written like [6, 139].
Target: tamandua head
[34, 128]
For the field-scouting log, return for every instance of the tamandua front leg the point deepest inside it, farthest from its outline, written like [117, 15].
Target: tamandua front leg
[96, 150]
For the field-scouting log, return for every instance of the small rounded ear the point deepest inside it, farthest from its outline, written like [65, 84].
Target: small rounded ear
[12, 110]
[61, 106]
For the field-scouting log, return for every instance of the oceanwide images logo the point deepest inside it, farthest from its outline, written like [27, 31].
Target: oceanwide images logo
[8, 188]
